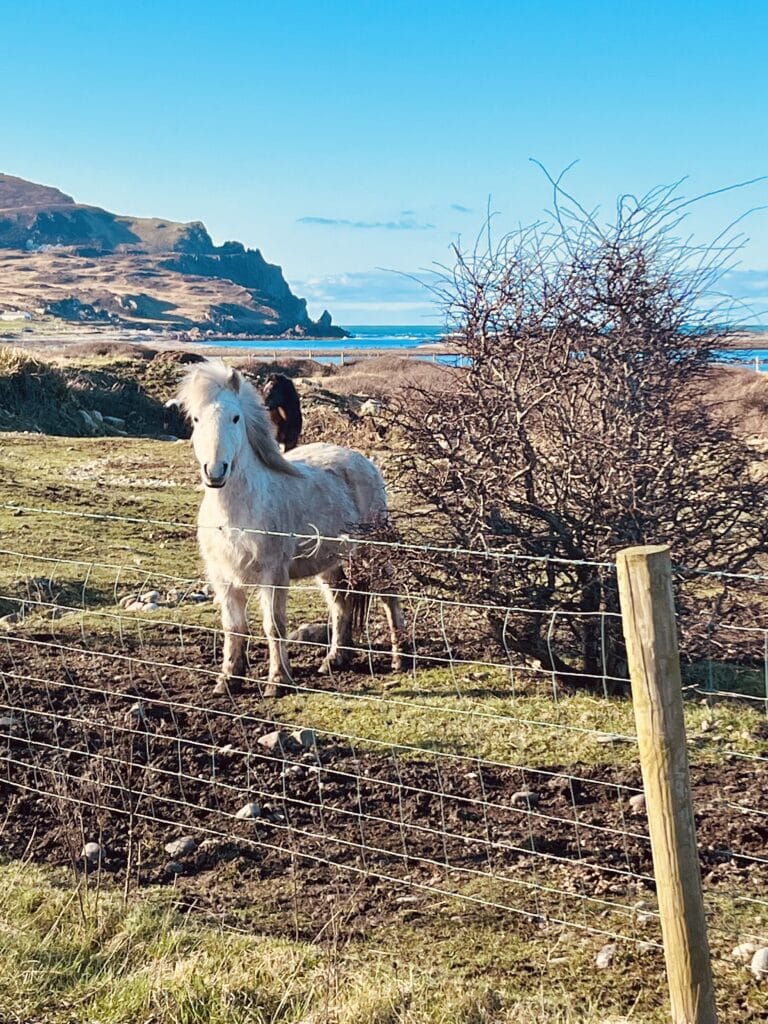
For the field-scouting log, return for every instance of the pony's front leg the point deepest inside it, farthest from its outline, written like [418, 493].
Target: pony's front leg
[234, 622]
[273, 603]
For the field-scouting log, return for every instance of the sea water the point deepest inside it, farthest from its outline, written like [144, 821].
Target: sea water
[410, 337]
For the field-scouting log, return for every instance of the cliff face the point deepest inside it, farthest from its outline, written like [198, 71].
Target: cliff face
[82, 262]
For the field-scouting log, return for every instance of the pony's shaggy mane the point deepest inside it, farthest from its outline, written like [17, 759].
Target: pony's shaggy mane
[202, 385]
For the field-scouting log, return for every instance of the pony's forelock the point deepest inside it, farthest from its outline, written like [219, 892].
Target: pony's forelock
[201, 385]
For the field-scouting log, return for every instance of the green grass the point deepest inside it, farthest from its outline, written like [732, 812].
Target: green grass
[79, 954]
[75, 954]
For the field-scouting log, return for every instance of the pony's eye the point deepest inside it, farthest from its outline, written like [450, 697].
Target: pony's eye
[195, 419]
[236, 419]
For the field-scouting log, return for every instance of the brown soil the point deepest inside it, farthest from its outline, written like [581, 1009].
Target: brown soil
[82, 763]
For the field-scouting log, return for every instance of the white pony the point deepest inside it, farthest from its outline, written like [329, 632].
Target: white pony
[317, 489]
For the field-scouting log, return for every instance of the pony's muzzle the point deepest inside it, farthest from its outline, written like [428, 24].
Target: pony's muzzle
[216, 474]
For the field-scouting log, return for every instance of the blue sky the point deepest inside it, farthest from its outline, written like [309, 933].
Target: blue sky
[348, 139]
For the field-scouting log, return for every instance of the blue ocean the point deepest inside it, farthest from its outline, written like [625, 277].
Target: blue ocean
[374, 338]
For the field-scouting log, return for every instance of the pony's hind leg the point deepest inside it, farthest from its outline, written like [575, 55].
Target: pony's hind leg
[333, 586]
[274, 598]
[394, 613]
[234, 621]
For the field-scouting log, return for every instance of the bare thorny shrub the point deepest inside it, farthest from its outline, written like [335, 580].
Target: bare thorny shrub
[575, 429]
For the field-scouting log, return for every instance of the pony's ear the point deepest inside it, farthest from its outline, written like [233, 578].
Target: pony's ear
[233, 380]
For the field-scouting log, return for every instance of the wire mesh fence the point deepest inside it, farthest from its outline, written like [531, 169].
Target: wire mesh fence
[477, 774]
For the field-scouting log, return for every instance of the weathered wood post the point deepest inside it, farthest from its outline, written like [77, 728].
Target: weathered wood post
[650, 631]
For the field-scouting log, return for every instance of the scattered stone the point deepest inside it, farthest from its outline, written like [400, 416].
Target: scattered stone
[637, 803]
[182, 847]
[151, 607]
[151, 597]
[606, 956]
[306, 737]
[8, 722]
[135, 606]
[114, 421]
[87, 419]
[167, 437]
[311, 634]
[93, 853]
[96, 416]
[198, 596]
[759, 964]
[613, 738]
[279, 742]
[525, 798]
[173, 867]
[249, 811]
[295, 771]
[370, 408]
[744, 952]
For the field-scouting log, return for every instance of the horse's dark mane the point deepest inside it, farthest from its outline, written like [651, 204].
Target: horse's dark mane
[284, 408]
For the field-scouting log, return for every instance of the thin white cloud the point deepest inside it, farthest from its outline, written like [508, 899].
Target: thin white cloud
[403, 223]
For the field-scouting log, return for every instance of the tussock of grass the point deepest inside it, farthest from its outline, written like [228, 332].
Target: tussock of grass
[34, 395]
[77, 955]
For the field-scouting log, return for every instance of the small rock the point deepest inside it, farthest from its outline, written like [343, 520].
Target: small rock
[129, 599]
[294, 771]
[606, 956]
[114, 421]
[151, 607]
[306, 737]
[611, 738]
[637, 803]
[151, 597]
[96, 416]
[278, 742]
[743, 953]
[525, 798]
[311, 634]
[93, 853]
[135, 606]
[173, 867]
[759, 964]
[167, 437]
[249, 811]
[7, 722]
[370, 407]
[182, 847]
[198, 597]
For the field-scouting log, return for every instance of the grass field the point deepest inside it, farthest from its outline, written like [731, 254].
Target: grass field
[239, 943]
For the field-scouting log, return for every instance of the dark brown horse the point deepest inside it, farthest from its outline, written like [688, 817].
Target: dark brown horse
[282, 402]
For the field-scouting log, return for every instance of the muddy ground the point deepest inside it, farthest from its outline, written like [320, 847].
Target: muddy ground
[134, 754]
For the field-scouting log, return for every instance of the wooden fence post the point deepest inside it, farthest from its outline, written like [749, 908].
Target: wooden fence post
[650, 631]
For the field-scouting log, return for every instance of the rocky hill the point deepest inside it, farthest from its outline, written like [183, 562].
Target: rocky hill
[79, 262]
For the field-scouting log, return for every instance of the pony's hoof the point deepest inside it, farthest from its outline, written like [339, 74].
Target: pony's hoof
[274, 690]
[226, 686]
[330, 665]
